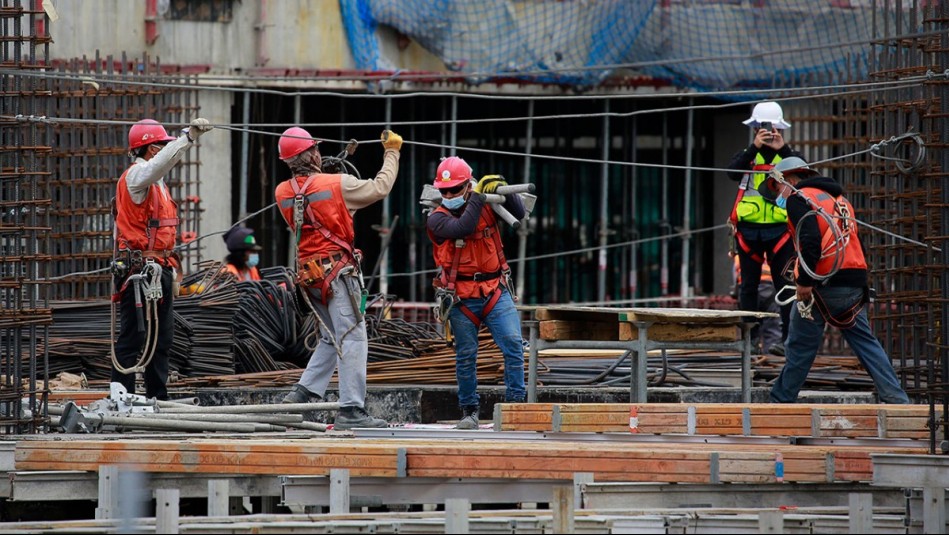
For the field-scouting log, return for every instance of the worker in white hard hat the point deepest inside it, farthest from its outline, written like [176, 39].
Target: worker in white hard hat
[759, 227]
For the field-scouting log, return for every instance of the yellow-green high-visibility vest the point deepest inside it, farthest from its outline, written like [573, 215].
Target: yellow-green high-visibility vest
[753, 208]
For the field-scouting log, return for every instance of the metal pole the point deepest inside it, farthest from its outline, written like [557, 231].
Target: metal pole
[633, 256]
[685, 288]
[604, 204]
[383, 228]
[245, 144]
[454, 124]
[664, 218]
[291, 238]
[522, 231]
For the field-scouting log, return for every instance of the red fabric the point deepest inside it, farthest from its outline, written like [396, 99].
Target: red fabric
[481, 254]
[331, 212]
[853, 253]
[132, 220]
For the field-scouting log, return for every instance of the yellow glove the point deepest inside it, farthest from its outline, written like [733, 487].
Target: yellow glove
[489, 184]
[391, 140]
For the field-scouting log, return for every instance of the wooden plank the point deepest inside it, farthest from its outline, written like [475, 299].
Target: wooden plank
[578, 330]
[681, 332]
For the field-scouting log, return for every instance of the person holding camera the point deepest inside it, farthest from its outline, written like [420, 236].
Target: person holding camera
[759, 227]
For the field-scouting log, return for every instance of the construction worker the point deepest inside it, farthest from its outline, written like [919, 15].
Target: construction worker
[830, 280]
[243, 254]
[319, 209]
[770, 331]
[146, 221]
[473, 284]
[758, 226]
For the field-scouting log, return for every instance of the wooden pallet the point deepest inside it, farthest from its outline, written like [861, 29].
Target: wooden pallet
[765, 419]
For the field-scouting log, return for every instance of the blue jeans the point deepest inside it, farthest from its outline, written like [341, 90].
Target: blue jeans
[505, 327]
[805, 337]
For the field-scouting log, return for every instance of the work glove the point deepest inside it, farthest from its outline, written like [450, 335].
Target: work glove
[489, 184]
[198, 127]
[391, 140]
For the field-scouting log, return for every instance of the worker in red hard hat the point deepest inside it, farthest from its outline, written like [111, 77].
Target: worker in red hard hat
[146, 222]
[319, 209]
[473, 286]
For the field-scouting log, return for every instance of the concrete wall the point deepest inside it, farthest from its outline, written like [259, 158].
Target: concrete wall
[296, 34]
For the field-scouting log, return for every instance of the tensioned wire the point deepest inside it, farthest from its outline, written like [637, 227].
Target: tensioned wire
[812, 91]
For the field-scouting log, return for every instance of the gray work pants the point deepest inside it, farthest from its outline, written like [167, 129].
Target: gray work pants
[340, 318]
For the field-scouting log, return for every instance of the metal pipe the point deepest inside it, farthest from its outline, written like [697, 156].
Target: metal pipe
[523, 230]
[664, 227]
[245, 143]
[454, 125]
[604, 204]
[309, 426]
[175, 425]
[254, 409]
[633, 251]
[384, 227]
[515, 188]
[685, 289]
[282, 419]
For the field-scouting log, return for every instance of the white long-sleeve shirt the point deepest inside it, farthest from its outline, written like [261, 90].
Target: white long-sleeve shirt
[145, 173]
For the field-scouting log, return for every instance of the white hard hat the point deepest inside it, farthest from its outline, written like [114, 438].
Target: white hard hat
[767, 112]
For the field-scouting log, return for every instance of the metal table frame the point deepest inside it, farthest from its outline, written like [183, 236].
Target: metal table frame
[639, 348]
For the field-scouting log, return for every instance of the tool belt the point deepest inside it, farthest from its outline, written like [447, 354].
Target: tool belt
[480, 277]
[317, 272]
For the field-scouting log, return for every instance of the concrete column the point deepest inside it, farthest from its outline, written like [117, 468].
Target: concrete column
[166, 510]
[456, 515]
[861, 512]
[219, 497]
[339, 491]
[108, 492]
[771, 522]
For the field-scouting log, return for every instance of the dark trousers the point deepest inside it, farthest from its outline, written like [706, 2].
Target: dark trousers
[131, 342]
[751, 277]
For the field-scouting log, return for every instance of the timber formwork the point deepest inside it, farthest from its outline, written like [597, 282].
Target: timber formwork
[24, 220]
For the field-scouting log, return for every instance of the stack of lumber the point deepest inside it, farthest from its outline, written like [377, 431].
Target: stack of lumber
[479, 458]
[766, 419]
[668, 324]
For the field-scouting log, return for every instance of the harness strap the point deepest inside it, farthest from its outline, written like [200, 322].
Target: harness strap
[846, 319]
[488, 307]
[313, 220]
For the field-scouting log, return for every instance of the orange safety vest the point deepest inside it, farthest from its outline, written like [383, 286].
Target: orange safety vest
[476, 266]
[328, 229]
[151, 226]
[247, 274]
[853, 251]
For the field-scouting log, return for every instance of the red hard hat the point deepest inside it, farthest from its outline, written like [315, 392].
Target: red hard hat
[451, 172]
[146, 132]
[294, 141]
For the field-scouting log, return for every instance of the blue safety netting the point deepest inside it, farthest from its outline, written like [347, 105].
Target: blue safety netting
[708, 45]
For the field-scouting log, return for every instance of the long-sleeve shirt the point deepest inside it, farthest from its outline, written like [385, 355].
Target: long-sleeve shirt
[462, 222]
[144, 173]
[361, 193]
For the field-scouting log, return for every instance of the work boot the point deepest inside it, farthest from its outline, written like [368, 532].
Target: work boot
[353, 417]
[300, 394]
[777, 349]
[469, 418]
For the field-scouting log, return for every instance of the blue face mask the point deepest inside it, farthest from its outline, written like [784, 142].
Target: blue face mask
[454, 203]
[253, 260]
[782, 202]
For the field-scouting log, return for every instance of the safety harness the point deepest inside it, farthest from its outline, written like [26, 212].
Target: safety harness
[312, 272]
[747, 187]
[446, 281]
